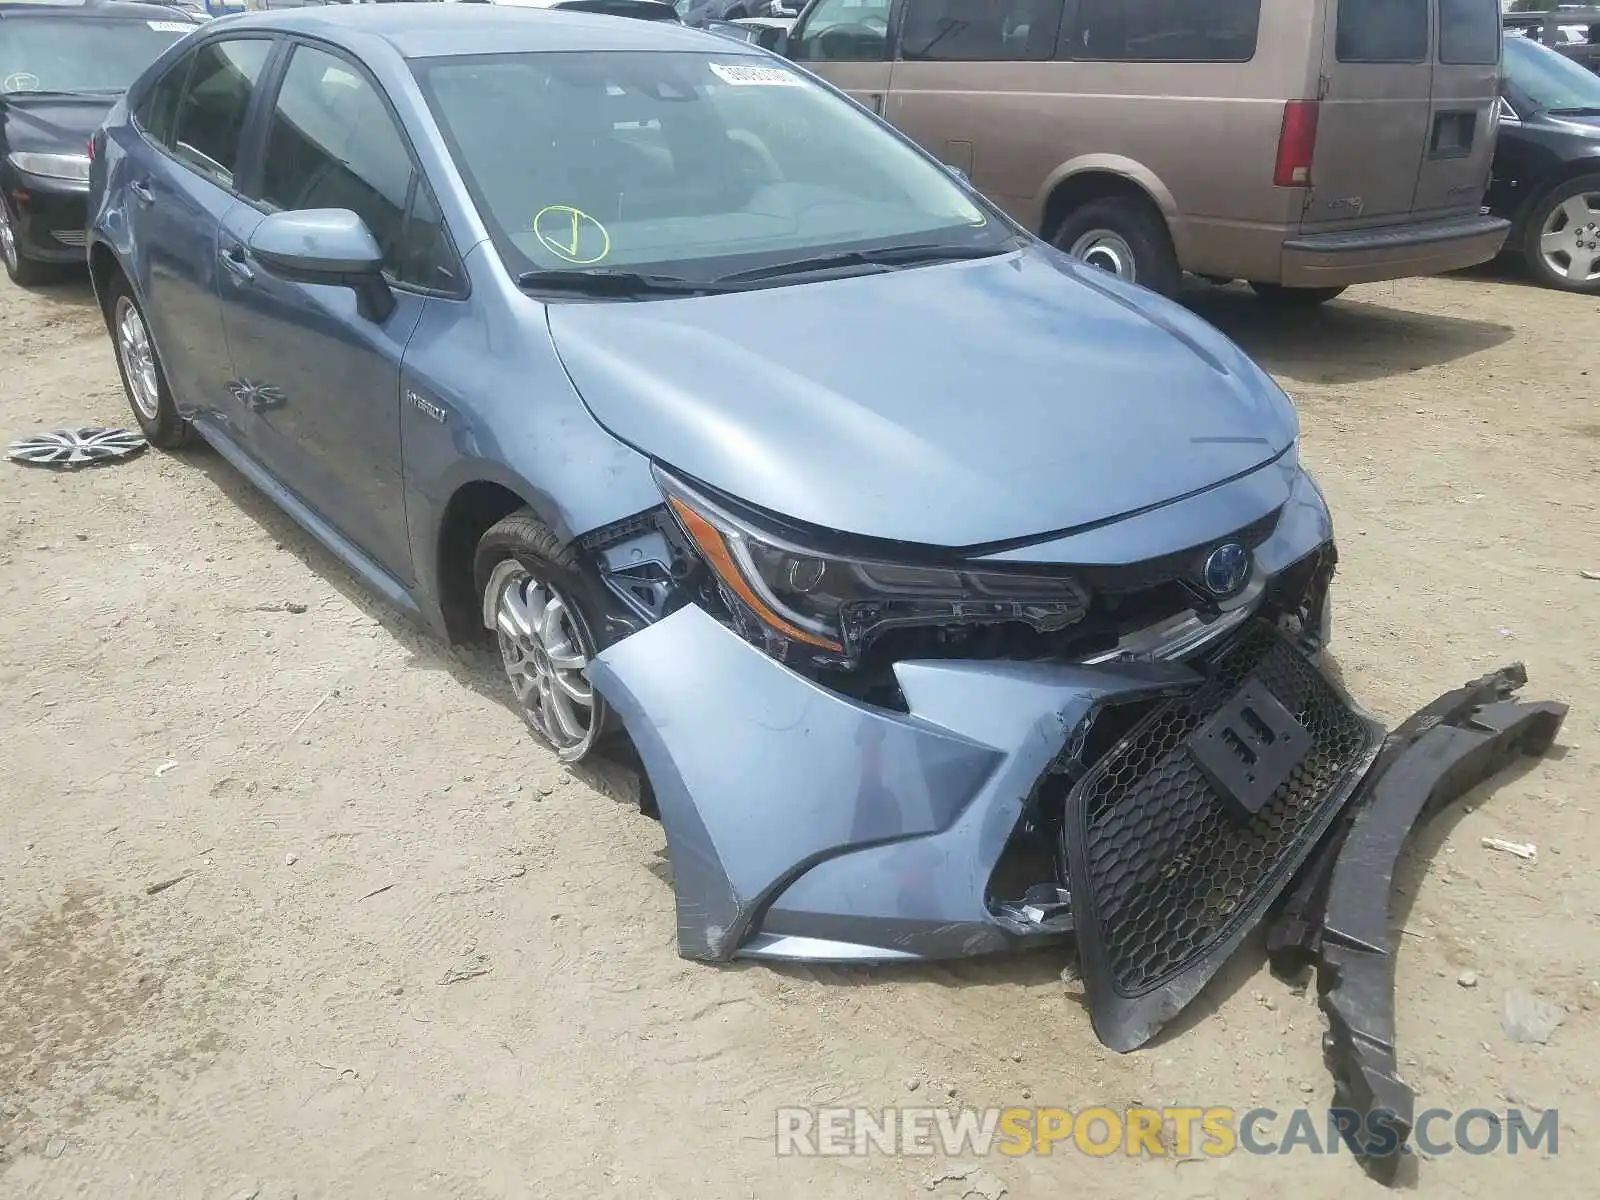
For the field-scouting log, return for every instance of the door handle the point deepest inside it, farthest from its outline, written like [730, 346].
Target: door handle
[233, 261]
[141, 192]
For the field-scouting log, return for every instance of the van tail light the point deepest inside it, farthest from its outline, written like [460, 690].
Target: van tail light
[91, 149]
[1296, 144]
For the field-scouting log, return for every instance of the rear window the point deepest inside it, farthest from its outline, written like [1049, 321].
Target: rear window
[1166, 30]
[1383, 31]
[1469, 31]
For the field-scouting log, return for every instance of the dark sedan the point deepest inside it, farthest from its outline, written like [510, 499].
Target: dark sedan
[1546, 176]
[62, 67]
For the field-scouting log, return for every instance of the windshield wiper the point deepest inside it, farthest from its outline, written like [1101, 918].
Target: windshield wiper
[610, 282]
[887, 257]
[1581, 111]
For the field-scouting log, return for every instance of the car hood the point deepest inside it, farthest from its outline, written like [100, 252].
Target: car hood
[57, 125]
[962, 404]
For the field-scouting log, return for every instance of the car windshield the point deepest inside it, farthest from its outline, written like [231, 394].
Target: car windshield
[686, 164]
[80, 54]
[1549, 79]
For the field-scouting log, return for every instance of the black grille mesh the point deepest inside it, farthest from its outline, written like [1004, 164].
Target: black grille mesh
[1169, 868]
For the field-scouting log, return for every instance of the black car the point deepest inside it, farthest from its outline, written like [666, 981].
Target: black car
[1546, 176]
[62, 66]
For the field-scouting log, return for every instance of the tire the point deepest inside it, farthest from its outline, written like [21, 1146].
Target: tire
[143, 378]
[1556, 208]
[520, 570]
[1124, 236]
[1295, 297]
[24, 272]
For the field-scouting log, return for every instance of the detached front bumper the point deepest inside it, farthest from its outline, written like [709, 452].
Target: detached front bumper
[805, 825]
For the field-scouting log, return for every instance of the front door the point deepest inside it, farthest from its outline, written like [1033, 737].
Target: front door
[178, 188]
[847, 43]
[318, 381]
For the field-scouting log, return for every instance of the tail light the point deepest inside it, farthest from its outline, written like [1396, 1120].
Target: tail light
[91, 149]
[1296, 144]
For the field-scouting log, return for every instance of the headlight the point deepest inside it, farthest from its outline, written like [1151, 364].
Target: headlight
[52, 166]
[838, 604]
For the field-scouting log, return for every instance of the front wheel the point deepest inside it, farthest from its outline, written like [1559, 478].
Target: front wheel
[1122, 237]
[24, 272]
[1295, 297]
[533, 600]
[1562, 242]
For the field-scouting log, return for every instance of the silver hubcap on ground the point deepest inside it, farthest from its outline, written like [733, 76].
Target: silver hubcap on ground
[138, 360]
[1570, 239]
[543, 656]
[8, 238]
[1108, 251]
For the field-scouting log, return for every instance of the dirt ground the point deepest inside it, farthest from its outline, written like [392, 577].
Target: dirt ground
[355, 812]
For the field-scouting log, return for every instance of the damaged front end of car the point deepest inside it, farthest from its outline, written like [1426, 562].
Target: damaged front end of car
[865, 752]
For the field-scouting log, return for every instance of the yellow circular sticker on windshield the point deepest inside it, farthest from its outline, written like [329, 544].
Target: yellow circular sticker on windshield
[571, 234]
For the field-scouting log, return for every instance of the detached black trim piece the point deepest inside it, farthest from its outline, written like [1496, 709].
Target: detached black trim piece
[1337, 915]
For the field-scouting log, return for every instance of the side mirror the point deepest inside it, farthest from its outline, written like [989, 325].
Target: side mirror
[326, 245]
[772, 37]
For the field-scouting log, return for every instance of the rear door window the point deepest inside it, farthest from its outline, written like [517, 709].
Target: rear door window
[1166, 30]
[1382, 31]
[158, 110]
[212, 114]
[980, 30]
[1469, 31]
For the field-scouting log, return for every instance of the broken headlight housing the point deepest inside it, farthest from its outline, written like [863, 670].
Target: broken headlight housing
[837, 604]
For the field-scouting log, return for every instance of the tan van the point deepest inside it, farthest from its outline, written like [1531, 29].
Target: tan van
[1302, 145]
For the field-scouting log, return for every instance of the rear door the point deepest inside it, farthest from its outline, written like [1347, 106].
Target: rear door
[847, 43]
[1373, 124]
[180, 186]
[1461, 118]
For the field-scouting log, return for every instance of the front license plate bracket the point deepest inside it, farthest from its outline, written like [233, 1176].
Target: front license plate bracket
[1248, 748]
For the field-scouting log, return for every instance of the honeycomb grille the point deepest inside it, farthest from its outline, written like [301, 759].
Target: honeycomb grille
[1170, 869]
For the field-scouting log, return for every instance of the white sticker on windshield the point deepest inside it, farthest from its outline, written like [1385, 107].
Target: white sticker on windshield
[170, 26]
[755, 76]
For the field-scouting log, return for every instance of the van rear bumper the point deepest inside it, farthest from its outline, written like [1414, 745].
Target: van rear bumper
[1391, 251]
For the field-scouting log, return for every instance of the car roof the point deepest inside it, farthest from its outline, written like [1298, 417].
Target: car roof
[443, 30]
[92, 8]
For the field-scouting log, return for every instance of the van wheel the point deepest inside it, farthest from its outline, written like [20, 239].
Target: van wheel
[1122, 237]
[1293, 297]
[1561, 243]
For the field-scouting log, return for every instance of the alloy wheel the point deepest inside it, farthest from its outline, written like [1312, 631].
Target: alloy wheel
[1109, 251]
[542, 649]
[1569, 242]
[138, 359]
[8, 238]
